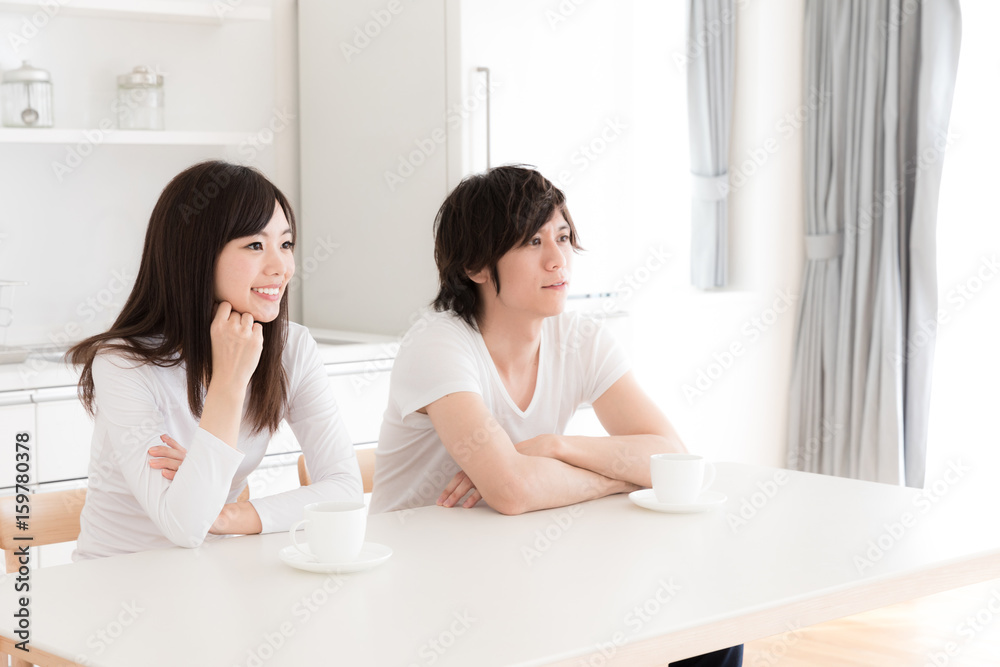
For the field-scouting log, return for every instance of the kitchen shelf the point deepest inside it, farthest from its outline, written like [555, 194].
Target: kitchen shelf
[186, 11]
[134, 137]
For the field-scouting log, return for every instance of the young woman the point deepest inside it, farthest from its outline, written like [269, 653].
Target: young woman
[201, 366]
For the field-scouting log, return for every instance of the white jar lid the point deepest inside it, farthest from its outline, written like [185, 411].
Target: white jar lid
[140, 76]
[26, 74]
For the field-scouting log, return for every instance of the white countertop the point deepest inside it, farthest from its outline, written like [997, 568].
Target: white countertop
[473, 587]
[341, 347]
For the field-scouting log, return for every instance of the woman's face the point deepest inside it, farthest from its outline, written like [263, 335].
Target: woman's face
[252, 272]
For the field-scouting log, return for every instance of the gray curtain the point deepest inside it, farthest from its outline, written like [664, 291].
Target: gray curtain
[883, 73]
[710, 101]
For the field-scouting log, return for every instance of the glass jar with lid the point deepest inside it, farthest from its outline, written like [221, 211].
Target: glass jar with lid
[140, 100]
[26, 94]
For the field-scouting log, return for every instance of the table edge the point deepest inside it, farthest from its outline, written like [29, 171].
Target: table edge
[767, 622]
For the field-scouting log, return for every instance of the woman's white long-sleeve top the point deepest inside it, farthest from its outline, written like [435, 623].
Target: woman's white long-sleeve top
[131, 507]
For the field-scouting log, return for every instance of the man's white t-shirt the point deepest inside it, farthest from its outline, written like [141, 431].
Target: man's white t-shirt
[131, 507]
[441, 354]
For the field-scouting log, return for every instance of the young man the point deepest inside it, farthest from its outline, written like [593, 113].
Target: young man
[482, 388]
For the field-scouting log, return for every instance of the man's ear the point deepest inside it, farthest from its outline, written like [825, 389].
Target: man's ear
[480, 277]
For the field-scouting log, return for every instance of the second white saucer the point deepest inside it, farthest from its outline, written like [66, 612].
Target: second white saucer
[372, 554]
[706, 500]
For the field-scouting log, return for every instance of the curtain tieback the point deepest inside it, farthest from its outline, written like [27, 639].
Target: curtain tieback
[824, 246]
[710, 188]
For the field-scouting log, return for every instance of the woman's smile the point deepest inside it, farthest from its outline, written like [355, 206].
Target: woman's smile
[268, 292]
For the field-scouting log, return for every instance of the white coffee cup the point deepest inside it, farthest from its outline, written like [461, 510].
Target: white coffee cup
[335, 530]
[678, 479]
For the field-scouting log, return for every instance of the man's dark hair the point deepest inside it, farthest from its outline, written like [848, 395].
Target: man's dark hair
[485, 216]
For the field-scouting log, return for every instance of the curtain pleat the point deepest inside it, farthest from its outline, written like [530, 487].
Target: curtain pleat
[883, 72]
[710, 94]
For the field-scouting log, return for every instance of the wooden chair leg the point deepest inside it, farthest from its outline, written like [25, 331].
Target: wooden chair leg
[14, 661]
[10, 563]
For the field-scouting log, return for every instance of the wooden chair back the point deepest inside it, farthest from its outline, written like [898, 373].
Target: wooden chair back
[54, 518]
[366, 460]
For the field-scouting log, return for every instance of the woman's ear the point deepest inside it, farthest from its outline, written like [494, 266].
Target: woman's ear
[480, 277]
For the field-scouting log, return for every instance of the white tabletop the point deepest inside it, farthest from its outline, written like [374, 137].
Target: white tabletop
[473, 587]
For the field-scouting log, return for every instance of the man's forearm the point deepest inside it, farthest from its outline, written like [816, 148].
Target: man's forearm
[549, 482]
[621, 457]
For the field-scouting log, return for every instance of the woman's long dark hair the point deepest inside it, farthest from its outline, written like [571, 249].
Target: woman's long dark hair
[167, 317]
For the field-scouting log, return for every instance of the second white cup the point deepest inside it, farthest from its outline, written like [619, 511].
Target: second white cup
[678, 479]
[335, 530]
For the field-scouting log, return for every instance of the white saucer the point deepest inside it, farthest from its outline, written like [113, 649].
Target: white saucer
[706, 501]
[372, 554]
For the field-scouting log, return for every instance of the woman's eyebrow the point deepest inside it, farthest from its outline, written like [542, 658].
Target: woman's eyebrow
[264, 233]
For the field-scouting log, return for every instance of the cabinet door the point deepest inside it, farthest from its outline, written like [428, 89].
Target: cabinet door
[64, 434]
[373, 167]
[16, 417]
[362, 392]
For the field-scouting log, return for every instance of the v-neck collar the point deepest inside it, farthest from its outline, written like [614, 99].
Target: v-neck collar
[539, 375]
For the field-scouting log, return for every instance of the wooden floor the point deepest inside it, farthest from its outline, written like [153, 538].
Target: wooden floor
[919, 633]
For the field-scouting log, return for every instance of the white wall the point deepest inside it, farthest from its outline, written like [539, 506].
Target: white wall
[286, 99]
[965, 393]
[681, 334]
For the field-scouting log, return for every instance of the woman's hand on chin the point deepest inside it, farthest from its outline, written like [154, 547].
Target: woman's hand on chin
[237, 342]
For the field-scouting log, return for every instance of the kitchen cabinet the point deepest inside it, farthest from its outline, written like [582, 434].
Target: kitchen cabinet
[60, 431]
[85, 188]
[111, 136]
[183, 11]
[37, 16]
[362, 392]
[393, 115]
[63, 434]
[372, 103]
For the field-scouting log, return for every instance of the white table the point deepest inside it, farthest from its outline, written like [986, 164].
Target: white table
[565, 586]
